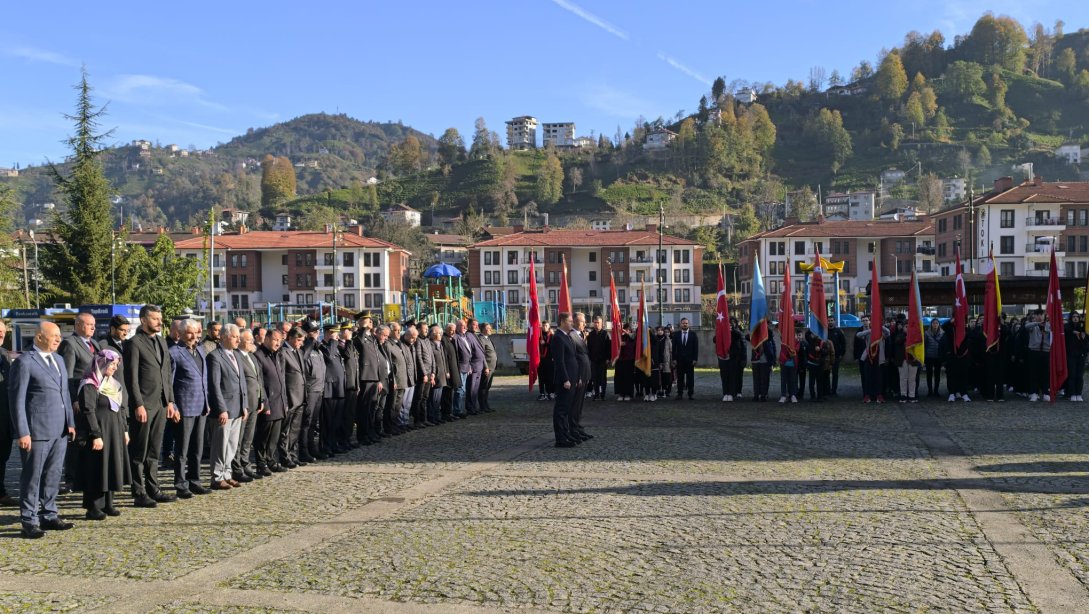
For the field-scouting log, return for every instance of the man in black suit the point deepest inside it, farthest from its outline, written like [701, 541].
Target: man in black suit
[582, 354]
[464, 369]
[566, 378]
[78, 351]
[491, 361]
[295, 369]
[118, 335]
[5, 418]
[391, 409]
[350, 356]
[270, 421]
[371, 385]
[241, 468]
[600, 346]
[148, 380]
[686, 350]
[331, 400]
[453, 378]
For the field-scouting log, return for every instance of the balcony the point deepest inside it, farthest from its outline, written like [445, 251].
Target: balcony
[925, 249]
[1036, 224]
[1041, 251]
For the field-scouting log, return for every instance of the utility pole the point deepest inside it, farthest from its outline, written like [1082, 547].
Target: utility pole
[211, 266]
[658, 272]
[26, 277]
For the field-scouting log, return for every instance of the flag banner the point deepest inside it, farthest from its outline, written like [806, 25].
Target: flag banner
[915, 344]
[960, 308]
[1057, 356]
[565, 294]
[786, 319]
[642, 336]
[758, 308]
[533, 335]
[614, 307]
[723, 332]
[992, 307]
[817, 318]
[877, 315]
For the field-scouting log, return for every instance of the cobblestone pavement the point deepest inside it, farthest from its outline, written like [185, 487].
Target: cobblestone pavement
[675, 506]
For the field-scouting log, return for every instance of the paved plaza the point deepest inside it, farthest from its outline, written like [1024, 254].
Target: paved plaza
[675, 506]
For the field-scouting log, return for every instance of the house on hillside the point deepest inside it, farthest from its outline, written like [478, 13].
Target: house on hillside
[659, 139]
[745, 95]
[9, 172]
[282, 223]
[1071, 152]
[402, 213]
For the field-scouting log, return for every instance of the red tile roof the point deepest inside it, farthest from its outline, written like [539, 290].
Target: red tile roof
[291, 239]
[847, 229]
[581, 238]
[1046, 192]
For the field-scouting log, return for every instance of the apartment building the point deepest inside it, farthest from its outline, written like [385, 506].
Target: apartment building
[522, 133]
[558, 134]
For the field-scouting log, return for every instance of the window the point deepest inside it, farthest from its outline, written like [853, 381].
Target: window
[327, 280]
[621, 293]
[487, 277]
[235, 302]
[1069, 269]
[512, 297]
[349, 301]
[777, 248]
[488, 258]
[957, 222]
[686, 276]
[1083, 244]
[349, 258]
[553, 278]
[328, 259]
[799, 248]
[512, 257]
[1005, 245]
[234, 260]
[329, 298]
[242, 280]
[677, 276]
[300, 298]
[835, 246]
[677, 296]
[1071, 243]
[593, 275]
[298, 259]
[349, 280]
[941, 250]
[1081, 270]
[553, 257]
[377, 280]
[1005, 219]
[798, 267]
[620, 277]
[945, 270]
[298, 280]
[687, 294]
[593, 256]
[819, 245]
[661, 255]
[489, 295]
[869, 266]
[367, 302]
[512, 277]
[681, 256]
[1071, 217]
[942, 223]
[234, 281]
[593, 293]
[367, 259]
[869, 247]
[663, 295]
[551, 296]
[283, 261]
[283, 280]
[846, 283]
[1083, 217]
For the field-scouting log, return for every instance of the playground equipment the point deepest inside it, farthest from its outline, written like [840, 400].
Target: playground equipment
[445, 300]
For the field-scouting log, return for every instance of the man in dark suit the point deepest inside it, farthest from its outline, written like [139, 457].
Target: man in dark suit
[5, 418]
[600, 346]
[227, 402]
[686, 350]
[371, 385]
[566, 378]
[491, 360]
[465, 368]
[295, 386]
[350, 356]
[78, 351]
[241, 468]
[270, 421]
[425, 378]
[331, 401]
[453, 378]
[314, 364]
[398, 381]
[476, 363]
[42, 418]
[582, 354]
[118, 335]
[190, 384]
[148, 369]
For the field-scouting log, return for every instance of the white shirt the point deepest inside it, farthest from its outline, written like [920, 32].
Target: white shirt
[48, 358]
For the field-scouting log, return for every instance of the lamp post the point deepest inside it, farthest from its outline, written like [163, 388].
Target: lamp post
[657, 268]
[37, 272]
[336, 269]
[113, 267]
[211, 268]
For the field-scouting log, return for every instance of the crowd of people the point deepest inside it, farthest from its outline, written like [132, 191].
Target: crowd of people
[101, 415]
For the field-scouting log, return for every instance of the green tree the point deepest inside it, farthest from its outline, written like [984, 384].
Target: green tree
[965, 80]
[996, 92]
[804, 205]
[835, 78]
[718, 90]
[451, 147]
[891, 78]
[702, 112]
[483, 146]
[894, 133]
[863, 71]
[931, 192]
[983, 156]
[1080, 86]
[278, 181]
[550, 181]
[11, 265]
[77, 261]
[997, 41]
[825, 130]
[574, 178]
[407, 156]
[166, 279]
[1066, 65]
[913, 110]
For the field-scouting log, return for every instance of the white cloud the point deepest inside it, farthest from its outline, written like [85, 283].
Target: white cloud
[684, 69]
[34, 54]
[151, 89]
[615, 102]
[591, 18]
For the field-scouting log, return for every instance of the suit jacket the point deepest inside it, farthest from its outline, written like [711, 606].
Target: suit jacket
[38, 395]
[600, 345]
[5, 371]
[384, 364]
[412, 360]
[147, 366]
[369, 362]
[272, 376]
[350, 355]
[582, 355]
[189, 380]
[77, 359]
[425, 359]
[465, 353]
[686, 352]
[255, 381]
[314, 361]
[399, 363]
[113, 344]
[438, 353]
[294, 377]
[491, 359]
[226, 383]
[450, 351]
[476, 359]
[565, 363]
[334, 370]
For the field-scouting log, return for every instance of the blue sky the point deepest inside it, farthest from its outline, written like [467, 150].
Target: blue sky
[198, 73]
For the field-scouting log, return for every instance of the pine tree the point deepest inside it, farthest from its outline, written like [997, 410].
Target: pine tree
[76, 262]
[11, 265]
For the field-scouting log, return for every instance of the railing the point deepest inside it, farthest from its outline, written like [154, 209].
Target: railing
[925, 249]
[1039, 248]
[1043, 221]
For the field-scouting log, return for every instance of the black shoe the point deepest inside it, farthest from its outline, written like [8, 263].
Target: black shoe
[244, 478]
[276, 469]
[198, 489]
[96, 515]
[565, 444]
[289, 465]
[56, 524]
[112, 511]
[32, 532]
[8, 501]
[144, 501]
[185, 494]
[587, 436]
[162, 497]
[263, 472]
[302, 462]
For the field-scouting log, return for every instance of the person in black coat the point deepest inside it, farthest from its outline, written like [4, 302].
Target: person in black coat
[582, 355]
[686, 351]
[5, 419]
[102, 436]
[118, 335]
[270, 421]
[453, 378]
[545, 375]
[566, 380]
[839, 346]
[241, 468]
[1077, 347]
[600, 347]
[332, 399]
[148, 377]
[350, 356]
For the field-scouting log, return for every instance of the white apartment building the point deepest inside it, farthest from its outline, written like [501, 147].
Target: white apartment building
[402, 213]
[954, 188]
[253, 268]
[499, 270]
[1071, 152]
[659, 139]
[559, 134]
[849, 206]
[522, 133]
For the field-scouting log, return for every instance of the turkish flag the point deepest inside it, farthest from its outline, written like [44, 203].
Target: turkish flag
[722, 321]
[960, 308]
[1058, 337]
[565, 294]
[786, 320]
[533, 339]
[877, 317]
[614, 307]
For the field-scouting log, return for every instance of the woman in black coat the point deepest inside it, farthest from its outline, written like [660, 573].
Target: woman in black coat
[102, 432]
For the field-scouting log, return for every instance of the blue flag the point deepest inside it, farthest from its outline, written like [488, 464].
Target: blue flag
[758, 308]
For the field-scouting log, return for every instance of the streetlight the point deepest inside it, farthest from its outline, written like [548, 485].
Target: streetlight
[657, 257]
[37, 272]
[336, 270]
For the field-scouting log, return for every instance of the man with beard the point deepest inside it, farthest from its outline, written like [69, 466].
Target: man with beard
[148, 367]
[600, 347]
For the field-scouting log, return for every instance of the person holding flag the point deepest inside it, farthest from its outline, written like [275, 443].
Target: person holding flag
[643, 354]
[956, 347]
[1077, 346]
[817, 317]
[1056, 363]
[763, 346]
[723, 338]
[872, 342]
[914, 346]
[788, 345]
[996, 334]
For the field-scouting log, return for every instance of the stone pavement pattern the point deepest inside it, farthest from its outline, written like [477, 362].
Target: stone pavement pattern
[675, 506]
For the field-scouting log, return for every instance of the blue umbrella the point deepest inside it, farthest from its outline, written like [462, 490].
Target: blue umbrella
[442, 270]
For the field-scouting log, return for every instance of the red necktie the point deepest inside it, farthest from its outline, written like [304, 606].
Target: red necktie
[91, 347]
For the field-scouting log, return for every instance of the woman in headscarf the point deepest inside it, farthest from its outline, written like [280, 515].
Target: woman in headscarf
[102, 427]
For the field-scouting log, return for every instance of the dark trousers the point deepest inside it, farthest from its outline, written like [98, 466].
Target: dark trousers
[331, 422]
[816, 392]
[727, 373]
[801, 380]
[788, 381]
[289, 435]
[995, 382]
[1040, 369]
[956, 375]
[188, 448]
[561, 413]
[434, 404]
[97, 501]
[472, 391]
[761, 379]
[39, 481]
[241, 464]
[391, 409]
[366, 412]
[485, 388]
[348, 419]
[311, 424]
[446, 406]
[5, 448]
[872, 376]
[144, 441]
[421, 400]
[933, 376]
[1075, 379]
[834, 390]
[575, 416]
[599, 377]
[266, 440]
[686, 377]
